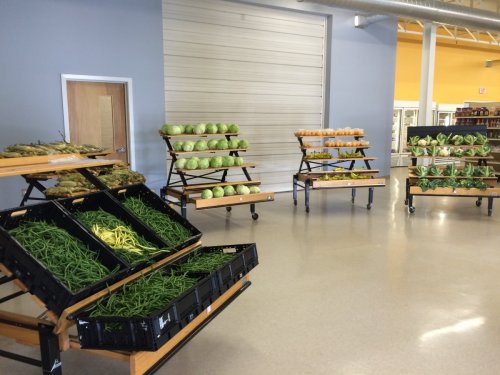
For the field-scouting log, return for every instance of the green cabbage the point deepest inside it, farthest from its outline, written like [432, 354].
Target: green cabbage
[229, 190]
[218, 192]
[222, 144]
[172, 129]
[243, 144]
[227, 161]
[180, 163]
[212, 144]
[254, 189]
[233, 143]
[238, 160]
[199, 129]
[188, 129]
[188, 146]
[206, 194]
[178, 145]
[204, 163]
[221, 128]
[242, 190]
[192, 164]
[216, 162]
[211, 128]
[234, 128]
[200, 145]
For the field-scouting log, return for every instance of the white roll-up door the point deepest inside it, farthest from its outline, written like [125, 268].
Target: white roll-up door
[260, 67]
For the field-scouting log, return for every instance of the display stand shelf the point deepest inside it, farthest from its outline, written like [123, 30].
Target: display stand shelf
[186, 185]
[312, 171]
[412, 190]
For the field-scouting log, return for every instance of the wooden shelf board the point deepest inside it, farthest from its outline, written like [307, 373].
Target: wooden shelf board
[454, 157]
[347, 147]
[198, 135]
[246, 165]
[357, 171]
[369, 182]
[227, 183]
[458, 192]
[330, 136]
[233, 200]
[412, 176]
[206, 151]
[340, 159]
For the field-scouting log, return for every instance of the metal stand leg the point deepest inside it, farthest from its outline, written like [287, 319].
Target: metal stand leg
[295, 190]
[27, 195]
[183, 207]
[353, 195]
[370, 198]
[255, 215]
[490, 206]
[49, 349]
[411, 209]
[407, 191]
[307, 191]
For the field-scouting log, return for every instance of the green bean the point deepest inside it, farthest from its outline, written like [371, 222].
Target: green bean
[119, 236]
[166, 227]
[205, 262]
[66, 257]
[143, 297]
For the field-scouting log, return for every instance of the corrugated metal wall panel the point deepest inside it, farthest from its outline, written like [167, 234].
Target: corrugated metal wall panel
[262, 68]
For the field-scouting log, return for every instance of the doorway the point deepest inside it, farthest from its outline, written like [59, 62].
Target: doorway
[97, 110]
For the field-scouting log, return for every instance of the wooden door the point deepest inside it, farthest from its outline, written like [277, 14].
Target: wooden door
[98, 115]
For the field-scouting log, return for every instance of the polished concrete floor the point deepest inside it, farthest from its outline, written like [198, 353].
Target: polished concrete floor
[344, 290]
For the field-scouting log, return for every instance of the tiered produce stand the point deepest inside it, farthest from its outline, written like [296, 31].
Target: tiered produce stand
[187, 185]
[320, 169]
[183, 284]
[447, 167]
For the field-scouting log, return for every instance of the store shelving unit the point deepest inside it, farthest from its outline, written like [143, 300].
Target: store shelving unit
[412, 190]
[310, 175]
[51, 330]
[493, 133]
[186, 185]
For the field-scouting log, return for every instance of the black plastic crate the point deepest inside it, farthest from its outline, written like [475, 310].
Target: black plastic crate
[146, 333]
[154, 201]
[102, 200]
[33, 273]
[244, 260]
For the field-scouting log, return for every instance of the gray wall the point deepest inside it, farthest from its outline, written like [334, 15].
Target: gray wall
[362, 74]
[40, 39]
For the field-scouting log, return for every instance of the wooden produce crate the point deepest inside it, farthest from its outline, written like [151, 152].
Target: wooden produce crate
[233, 200]
[458, 192]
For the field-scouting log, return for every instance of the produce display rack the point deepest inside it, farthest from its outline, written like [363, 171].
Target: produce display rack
[311, 170]
[412, 190]
[51, 330]
[181, 183]
[493, 133]
[35, 169]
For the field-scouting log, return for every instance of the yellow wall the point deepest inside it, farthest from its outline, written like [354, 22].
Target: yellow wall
[459, 72]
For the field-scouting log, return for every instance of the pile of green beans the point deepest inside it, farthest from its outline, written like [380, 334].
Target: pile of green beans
[66, 257]
[143, 297]
[167, 228]
[100, 222]
[205, 262]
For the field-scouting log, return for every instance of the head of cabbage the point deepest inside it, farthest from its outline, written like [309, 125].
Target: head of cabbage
[200, 145]
[229, 191]
[233, 143]
[188, 129]
[242, 190]
[238, 160]
[192, 163]
[204, 163]
[211, 128]
[227, 161]
[199, 129]
[206, 194]
[188, 146]
[254, 189]
[234, 128]
[178, 145]
[212, 144]
[243, 144]
[218, 192]
[221, 128]
[222, 144]
[180, 163]
[216, 162]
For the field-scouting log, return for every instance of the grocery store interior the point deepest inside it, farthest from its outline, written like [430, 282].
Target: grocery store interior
[261, 187]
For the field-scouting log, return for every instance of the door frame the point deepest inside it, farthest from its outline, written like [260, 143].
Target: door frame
[129, 107]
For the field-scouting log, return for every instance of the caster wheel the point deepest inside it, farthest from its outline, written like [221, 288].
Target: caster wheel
[255, 216]
[478, 203]
[368, 206]
[228, 209]
[411, 209]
